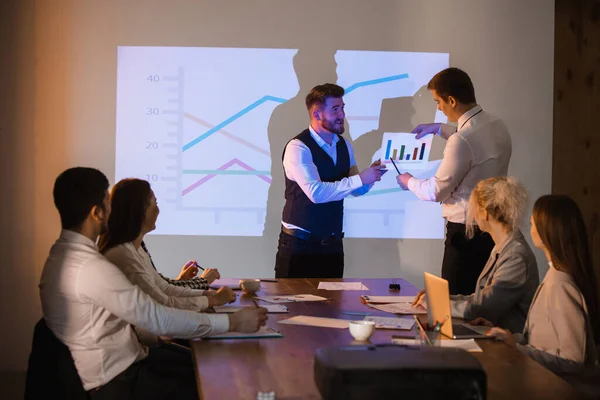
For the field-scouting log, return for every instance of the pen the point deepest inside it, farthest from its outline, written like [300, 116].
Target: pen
[269, 280]
[392, 160]
[198, 265]
[364, 314]
[255, 304]
[439, 325]
[423, 333]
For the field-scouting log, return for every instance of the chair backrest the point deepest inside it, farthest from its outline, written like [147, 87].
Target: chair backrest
[51, 372]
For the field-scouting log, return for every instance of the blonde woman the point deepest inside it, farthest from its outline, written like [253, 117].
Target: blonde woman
[507, 284]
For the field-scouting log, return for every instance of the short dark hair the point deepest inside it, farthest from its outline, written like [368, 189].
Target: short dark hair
[319, 94]
[453, 82]
[76, 191]
[129, 200]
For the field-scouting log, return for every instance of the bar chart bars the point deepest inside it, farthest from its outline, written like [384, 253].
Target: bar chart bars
[398, 154]
[403, 148]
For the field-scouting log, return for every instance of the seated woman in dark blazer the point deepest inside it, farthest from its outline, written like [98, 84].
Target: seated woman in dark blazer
[507, 283]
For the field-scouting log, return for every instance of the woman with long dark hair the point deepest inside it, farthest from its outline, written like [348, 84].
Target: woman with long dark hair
[134, 212]
[563, 323]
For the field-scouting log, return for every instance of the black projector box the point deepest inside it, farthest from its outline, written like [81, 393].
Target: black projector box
[395, 371]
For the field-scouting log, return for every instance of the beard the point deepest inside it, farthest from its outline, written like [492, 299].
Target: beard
[334, 126]
[104, 228]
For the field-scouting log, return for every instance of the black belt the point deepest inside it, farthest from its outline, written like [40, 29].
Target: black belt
[309, 237]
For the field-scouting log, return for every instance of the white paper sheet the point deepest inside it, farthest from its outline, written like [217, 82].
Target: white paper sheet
[230, 282]
[388, 299]
[465, 344]
[391, 323]
[263, 332]
[342, 286]
[272, 308]
[316, 321]
[290, 298]
[399, 308]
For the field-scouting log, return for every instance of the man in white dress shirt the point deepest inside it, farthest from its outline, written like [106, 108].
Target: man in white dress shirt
[91, 306]
[320, 171]
[478, 148]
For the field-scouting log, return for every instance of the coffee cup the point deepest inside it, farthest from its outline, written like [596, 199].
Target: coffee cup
[250, 285]
[361, 330]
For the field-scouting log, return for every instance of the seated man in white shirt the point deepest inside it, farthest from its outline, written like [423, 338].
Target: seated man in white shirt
[90, 305]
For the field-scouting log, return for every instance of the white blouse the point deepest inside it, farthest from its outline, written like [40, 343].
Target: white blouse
[136, 265]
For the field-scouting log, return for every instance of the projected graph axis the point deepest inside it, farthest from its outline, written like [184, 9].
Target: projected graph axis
[174, 119]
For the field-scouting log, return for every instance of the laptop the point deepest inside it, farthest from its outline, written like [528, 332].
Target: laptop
[438, 309]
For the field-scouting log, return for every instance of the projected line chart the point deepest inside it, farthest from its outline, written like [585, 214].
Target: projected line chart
[219, 128]
[175, 117]
[195, 124]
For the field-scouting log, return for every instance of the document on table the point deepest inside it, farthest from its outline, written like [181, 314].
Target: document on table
[342, 286]
[388, 299]
[290, 298]
[391, 323]
[316, 321]
[465, 344]
[263, 332]
[234, 284]
[399, 308]
[271, 308]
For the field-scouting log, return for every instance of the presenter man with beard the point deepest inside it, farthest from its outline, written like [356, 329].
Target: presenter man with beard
[320, 171]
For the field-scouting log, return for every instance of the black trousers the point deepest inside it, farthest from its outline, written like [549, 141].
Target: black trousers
[464, 258]
[164, 374]
[298, 258]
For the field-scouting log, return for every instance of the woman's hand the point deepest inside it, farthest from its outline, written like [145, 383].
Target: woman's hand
[188, 271]
[420, 300]
[223, 296]
[504, 335]
[211, 274]
[481, 321]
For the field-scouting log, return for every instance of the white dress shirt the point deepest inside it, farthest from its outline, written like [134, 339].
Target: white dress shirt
[90, 305]
[136, 265]
[299, 167]
[479, 149]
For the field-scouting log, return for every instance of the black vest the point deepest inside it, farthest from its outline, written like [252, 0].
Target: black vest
[320, 219]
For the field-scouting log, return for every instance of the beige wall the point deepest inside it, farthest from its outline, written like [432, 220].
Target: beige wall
[57, 108]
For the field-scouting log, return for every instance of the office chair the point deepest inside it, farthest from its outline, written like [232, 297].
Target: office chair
[51, 372]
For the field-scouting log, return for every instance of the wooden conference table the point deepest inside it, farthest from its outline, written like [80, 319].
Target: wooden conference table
[239, 369]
